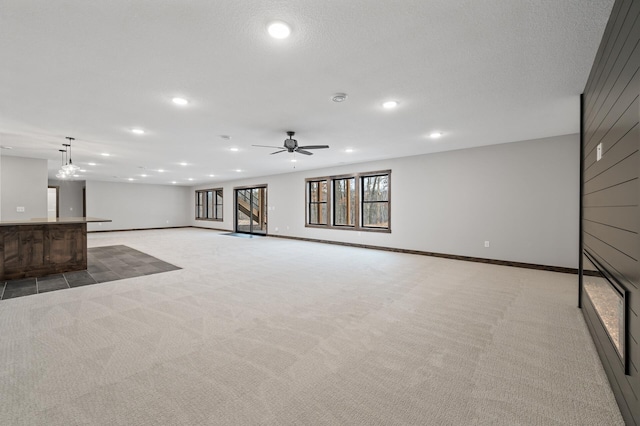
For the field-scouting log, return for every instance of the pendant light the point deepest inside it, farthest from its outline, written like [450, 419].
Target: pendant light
[61, 173]
[70, 168]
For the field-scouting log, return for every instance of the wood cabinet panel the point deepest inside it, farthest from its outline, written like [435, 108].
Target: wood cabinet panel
[38, 250]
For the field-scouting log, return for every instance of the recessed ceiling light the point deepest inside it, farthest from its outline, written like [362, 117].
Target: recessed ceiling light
[174, 182]
[76, 175]
[390, 104]
[238, 170]
[233, 149]
[130, 179]
[137, 131]
[339, 97]
[190, 179]
[435, 135]
[83, 171]
[279, 30]
[183, 164]
[180, 101]
[143, 175]
[92, 164]
[104, 154]
[211, 175]
[294, 160]
[160, 170]
[348, 150]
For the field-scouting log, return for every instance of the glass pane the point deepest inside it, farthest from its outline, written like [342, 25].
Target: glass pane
[243, 221]
[259, 216]
[375, 215]
[313, 191]
[607, 301]
[375, 188]
[218, 212]
[318, 213]
[323, 191]
[219, 197]
[200, 204]
[344, 201]
[209, 204]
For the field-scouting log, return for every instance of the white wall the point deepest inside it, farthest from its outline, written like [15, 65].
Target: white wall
[23, 183]
[70, 197]
[138, 206]
[522, 197]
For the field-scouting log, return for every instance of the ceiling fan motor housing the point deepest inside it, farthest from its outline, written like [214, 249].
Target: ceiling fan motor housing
[290, 144]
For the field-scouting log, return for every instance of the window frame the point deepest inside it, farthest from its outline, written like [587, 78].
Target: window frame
[362, 201]
[356, 204]
[358, 208]
[214, 204]
[317, 205]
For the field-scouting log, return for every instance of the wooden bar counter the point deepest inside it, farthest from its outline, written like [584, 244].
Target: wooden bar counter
[39, 247]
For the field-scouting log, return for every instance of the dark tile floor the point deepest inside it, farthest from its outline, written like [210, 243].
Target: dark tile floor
[243, 235]
[103, 264]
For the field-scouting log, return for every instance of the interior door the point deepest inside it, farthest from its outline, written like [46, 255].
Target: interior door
[251, 210]
[53, 202]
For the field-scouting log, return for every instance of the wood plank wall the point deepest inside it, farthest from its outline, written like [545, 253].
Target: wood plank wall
[610, 214]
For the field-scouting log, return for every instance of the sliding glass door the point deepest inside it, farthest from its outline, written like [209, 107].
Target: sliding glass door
[251, 210]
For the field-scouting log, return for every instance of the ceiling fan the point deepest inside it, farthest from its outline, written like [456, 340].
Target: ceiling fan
[291, 145]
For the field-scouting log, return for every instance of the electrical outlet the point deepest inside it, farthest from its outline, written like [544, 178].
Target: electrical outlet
[20, 209]
[599, 152]
[486, 243]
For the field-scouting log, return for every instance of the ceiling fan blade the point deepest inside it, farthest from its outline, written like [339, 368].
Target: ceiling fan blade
[302, 151]
[277, 152]
[313, 147]
[268, 146]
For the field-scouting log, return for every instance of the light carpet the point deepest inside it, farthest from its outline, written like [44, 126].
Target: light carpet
[270, 331]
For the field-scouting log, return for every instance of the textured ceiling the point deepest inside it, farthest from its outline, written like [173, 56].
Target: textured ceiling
[482, 72]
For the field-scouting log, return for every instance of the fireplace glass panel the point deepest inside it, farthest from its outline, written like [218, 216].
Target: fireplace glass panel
[608, 302]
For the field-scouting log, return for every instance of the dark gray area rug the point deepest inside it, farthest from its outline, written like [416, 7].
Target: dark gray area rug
[243, 235]
[104, 264]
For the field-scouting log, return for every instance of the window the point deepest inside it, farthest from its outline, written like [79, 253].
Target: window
[360, 201]
[317, 197]
[344, 201]
[375, 201]
[209, 204]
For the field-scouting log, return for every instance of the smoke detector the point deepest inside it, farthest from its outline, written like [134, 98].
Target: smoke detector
[339, 97]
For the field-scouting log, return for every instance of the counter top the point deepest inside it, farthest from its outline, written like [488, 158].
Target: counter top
[52, 221]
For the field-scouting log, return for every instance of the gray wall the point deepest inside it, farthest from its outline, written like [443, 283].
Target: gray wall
[70, 197]
[137, 206]
[23, 183]
[521, 197]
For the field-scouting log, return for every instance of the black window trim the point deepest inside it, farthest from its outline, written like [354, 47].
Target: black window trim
[308, 203]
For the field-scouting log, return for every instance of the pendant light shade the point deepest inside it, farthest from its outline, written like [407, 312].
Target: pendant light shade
[70, 168]
[61, 173]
